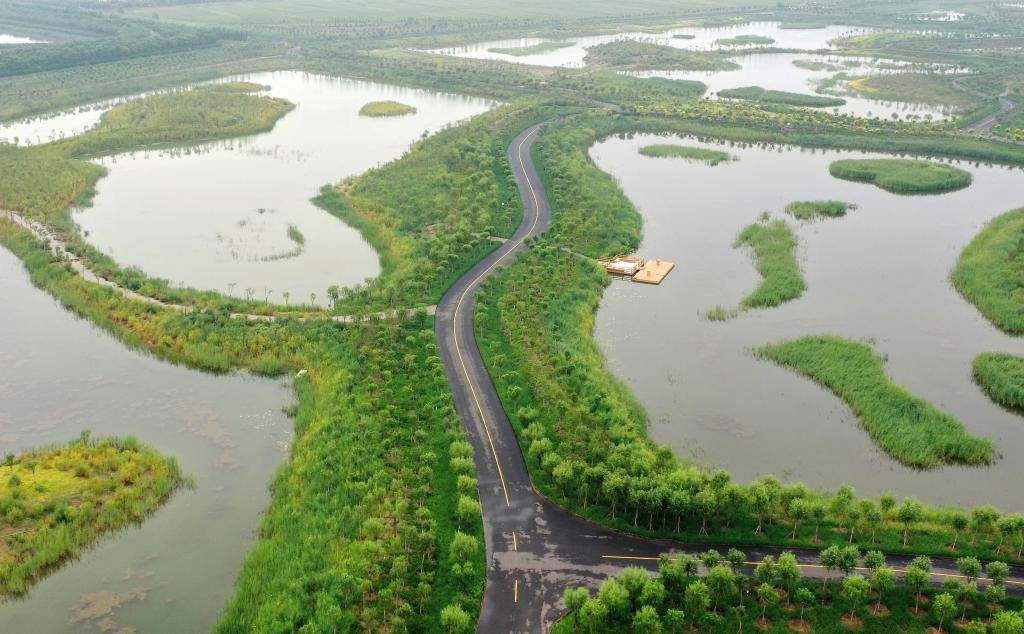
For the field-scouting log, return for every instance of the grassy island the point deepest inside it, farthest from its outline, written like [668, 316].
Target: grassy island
[386, 109]
[990, 272]
[745, 40]
[667, 150]
[57, 501]
[904, 426]
[1001, 376]
[535, 49]
[760, 95]
[811, 209]
[774, 249]
[633, 55]
[902, 176]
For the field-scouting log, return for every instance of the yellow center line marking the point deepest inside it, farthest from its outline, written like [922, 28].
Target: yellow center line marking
[458, 307]
[515, 545]
[754, 563]
[515, 598]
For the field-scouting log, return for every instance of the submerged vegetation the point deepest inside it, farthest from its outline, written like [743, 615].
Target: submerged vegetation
[990, 272]
[904, 426]
[704, 155]
[745, 40]
[773, 245]
[758, 94]
[533, 49]
[811, 209]
[57, 501]
[386, 109]
[902, 176]
[1001, 376]
[776, 596]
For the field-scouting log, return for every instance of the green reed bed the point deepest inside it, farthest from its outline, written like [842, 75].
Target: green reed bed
[774, 250]
[813, 209]
[1001, 376]
[668, 150]
[990, 272]
[902, 176]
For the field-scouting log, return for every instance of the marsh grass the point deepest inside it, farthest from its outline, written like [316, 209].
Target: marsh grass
[1001, 376]
[761, 95]
[990, 272]
[386, 109]
[745, 40]
[774, 250]
[536, 49]
[902, 176]
[906, 427]
[812, 209]
[668, 150]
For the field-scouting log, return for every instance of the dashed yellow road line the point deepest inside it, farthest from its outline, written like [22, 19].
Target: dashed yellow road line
[515, 590]
[754, 563]
[515, 544]
[458, 307]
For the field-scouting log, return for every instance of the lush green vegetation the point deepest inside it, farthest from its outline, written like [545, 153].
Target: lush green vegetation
[904, 426]
[811, 209]
[990, 272]
[1001, 376]
[773, 595]
[57, 501]
[756, 93]
[902, 176]
[535, 49]
[933, 89]
[634, 55]
[704, 155]
[386, 109]
[745, 40]
[773, 246]
[810, 64]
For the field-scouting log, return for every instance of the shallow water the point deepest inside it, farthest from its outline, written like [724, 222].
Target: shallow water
[60, 375]
[217, 216]
[776, 71]
[881, 272]
[703, 38]
[7, 38]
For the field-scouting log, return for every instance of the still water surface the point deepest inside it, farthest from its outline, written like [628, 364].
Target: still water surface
[60, 375]
[217, 216]
[880, 273]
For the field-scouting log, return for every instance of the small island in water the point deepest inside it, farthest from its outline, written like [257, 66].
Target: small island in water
[386, 109]
[58, 500]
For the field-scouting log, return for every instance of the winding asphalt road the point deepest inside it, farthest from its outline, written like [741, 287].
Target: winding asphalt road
[535, 549]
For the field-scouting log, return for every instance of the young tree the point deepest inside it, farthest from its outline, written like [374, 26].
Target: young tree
[766, 571]
[593, 616]
[768, 598]
[675, 621]
[615, 598]
[789, 571]
[798, 512]
[908, 513]
[803, 598]
[998, 572]
[969, 567]
[959, 522]
[873, 560]
[722, 584]
[711, 558]
[855, 589]
[983, 520]
[841, 504]
[917, 579]
[646, 621]
[816, 511]
[697, 601]
[739, 611]
[995, 595]
[574, 599]
[736, 558]
[944, 608]
[454, 619]
[830, 559]
[882, 580]
[1008, 623]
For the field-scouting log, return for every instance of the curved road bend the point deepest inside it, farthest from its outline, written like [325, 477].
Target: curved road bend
[535, 549]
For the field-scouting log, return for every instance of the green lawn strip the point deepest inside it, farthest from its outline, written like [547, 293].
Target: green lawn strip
[774, 250]
[990, 272]
[902, 176]
[667, 150]
[1001, 376]
[904, 426]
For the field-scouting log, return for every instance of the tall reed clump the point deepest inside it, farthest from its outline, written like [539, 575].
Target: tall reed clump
[906, 427]
[990, 272]
[774, 249]
[1001, 376]
[902, 176]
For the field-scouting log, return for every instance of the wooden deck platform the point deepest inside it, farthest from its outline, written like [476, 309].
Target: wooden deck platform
[654, 271]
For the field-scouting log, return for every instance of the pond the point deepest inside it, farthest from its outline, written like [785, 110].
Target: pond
[879, 273]
[219, 216]
[60, 375]
[693, 38]
[777, 71]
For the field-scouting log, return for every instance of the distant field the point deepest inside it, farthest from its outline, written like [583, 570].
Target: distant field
[269, 12]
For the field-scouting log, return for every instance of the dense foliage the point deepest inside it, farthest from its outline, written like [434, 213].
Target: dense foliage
[773, 246]
[902, 176]
[756, 93]
[906, 427]
[57, 501]
[1001, 376]
[811, 209]
[668, 150]
[723, 593]
[990, 272]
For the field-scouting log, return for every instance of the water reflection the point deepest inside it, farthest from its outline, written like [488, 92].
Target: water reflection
[880, 273]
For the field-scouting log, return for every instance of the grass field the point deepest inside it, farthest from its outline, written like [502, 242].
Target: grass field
[536, 49]
[1001, 376]
[936, 90]
[666, 150]
[57, 501]
[902, 176]
[386, 109]
[774, 250]
[760, 95]
[811, 209]
[990, 272]
[904, 426]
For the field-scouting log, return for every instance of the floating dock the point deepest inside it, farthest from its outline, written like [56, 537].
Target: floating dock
[638, 269]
